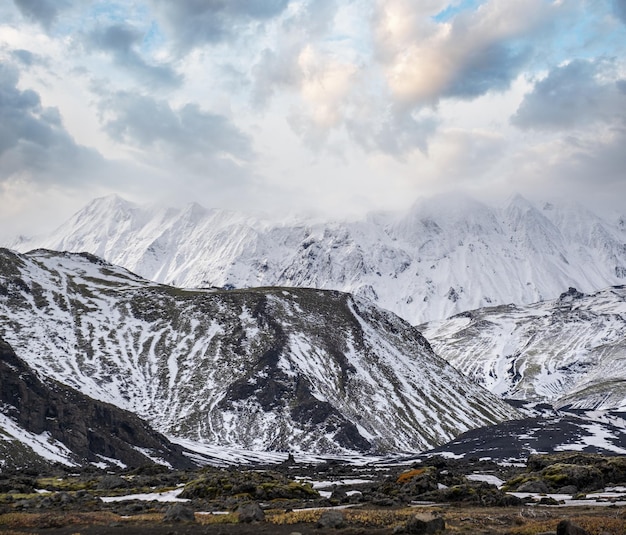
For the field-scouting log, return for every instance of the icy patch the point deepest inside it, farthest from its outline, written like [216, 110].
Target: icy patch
[169, 496]
[487, 478]
[150, 455]
[209, 454]
[107, 462]
[600, 438]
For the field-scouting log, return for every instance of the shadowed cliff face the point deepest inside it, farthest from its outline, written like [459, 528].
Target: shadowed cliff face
[88, 428]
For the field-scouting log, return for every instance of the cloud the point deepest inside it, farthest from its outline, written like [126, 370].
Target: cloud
[194, 23]
[619, 8]
[475, 52]
[120, 41]
[33, 141]
[579, 93]
[28, 58]
[189, 135]
[42, 11]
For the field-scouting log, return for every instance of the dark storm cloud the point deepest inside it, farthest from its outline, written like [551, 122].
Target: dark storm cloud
[619, 7]
[120, 41]
[199, 22]
[189, 131]
[572, 95]
[493, 69]
[33, 140]
[42, 11]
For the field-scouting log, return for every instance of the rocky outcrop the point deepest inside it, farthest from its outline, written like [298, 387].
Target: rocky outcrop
[90, 429]
[573, 472]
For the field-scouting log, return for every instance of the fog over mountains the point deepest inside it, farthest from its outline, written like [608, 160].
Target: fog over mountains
[445, 255]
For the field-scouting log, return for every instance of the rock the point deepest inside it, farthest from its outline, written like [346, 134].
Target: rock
[178, 513]
[566, 527]
[250, 512]
[568, 489]
[331, 520]
[535, 486]
[547, 500]
[339, 496]
[419, 525]
[111, 482]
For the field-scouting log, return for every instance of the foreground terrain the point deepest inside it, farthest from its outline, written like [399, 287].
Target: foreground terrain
[430, 495]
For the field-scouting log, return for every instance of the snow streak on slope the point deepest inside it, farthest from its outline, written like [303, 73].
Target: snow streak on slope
[42, 444]
[265, 369]
[570, 351]
[444, 256]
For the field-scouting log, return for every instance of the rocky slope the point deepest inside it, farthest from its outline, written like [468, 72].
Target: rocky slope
[570, 351]
[47, 420]
[444, 256]
[264, 369]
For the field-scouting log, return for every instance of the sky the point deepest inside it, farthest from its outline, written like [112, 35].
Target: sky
[331, 107]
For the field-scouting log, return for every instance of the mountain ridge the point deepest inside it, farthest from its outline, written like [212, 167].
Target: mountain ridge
[443, 256]
[568, 351]
[274, 369]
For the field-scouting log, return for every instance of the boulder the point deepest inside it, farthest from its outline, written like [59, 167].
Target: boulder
[424, 526]
[178, 513]
[566, 527]
[331, 520]
[250, 512]
[535, 486]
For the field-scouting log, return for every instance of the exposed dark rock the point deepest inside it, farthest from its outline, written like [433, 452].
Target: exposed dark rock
[548, 500]
[566, 527]
[475, 493]
[332, 519]
[569, 473]
[423, 526]
[265, 485]
[110, 482]
[87, 427]
[572, 293]
[250, 512]
[178, 513]
[338, 495]
[534, 486]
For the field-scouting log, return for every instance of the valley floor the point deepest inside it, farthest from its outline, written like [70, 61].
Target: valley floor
[468, 520]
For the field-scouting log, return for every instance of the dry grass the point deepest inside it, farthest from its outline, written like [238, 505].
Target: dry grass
[356, 517]
[593, 524]
[54, 520]
[205, 519]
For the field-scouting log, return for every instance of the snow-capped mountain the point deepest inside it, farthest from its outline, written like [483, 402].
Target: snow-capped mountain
[444, 256]
[570, 351]
[264, 369]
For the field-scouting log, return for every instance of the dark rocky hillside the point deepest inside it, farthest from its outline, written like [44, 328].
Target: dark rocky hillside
[91, 430]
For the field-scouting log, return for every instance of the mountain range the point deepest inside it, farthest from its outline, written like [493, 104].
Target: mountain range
[271, 369]
[569, 351]
[443, 256]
